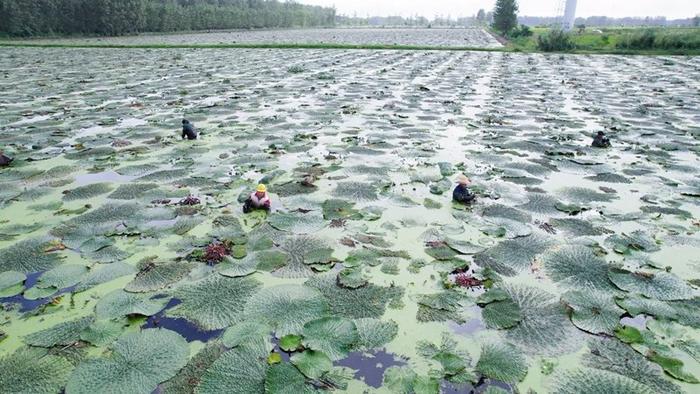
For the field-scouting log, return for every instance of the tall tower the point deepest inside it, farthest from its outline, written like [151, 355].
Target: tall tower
[569, 15]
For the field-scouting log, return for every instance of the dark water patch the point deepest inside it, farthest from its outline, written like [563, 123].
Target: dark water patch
[26, 305]
[190, 331]
[471, 326]
[286, 356]
[370, 366]
[480, 387]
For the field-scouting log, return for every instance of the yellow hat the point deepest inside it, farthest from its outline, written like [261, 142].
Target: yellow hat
[261, 188]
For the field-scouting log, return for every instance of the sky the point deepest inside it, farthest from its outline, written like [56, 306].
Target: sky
[457, 8]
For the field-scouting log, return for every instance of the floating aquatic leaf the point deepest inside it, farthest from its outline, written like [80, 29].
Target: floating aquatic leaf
[11, 283]
[609, 178]
[287, 307]
[102, 333]
[502, 361]
[99, 274]
[612, 355]
[154, 276]
[513, 256]
[593, 311]
[61, 334]
[234, 268]
[576, 266]
[245, 332]
[132, 191]
[660, 285]
[270, 260]
[545, 327]
[541, 204]
[87, 191]
[187, 379]
[333, 336]
[352, 278]
[583, 195]
[28, 256]
[33, 371]
[636, 305]
[356, 191]
[286, 379]
[138, 362]
[502, 314]
[454, 361]
[367, 301]
[300, 248]
[443, 306]
[374, 333]
[119, 303]
[577, 227]
[594, 381]
[312, 363]
[404, 380]
[215, 302]
[635, 241]
[339, 209]
[296, 222]
[290, 343]
[505, 212]
[62, 276]
[673, 367]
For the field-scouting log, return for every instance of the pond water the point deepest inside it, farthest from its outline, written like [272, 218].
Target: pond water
[387, 284]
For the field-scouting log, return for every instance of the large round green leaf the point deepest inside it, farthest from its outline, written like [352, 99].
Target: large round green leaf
[241, 370]
[312, 363]
[33, 371]
[287, 307]
[593, 311]
[513, 256]
[502, 361]
[28, 256]
[374, 333]
[576, 266]
[286, 379]
[297, 222]
[138, 362]
[155, 276]
[120, 303]
[187, 379]
[594, 381]
[367, 301]
[65, 333]
[11, 283]
[215, 302]
[333, 336]
[660, 285]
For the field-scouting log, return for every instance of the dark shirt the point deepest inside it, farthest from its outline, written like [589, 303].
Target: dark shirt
[188, 131]
[5, 161]
[601, 141]
[462, 195]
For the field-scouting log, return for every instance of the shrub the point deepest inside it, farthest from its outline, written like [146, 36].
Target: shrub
[523, 31]
[555, 41]
[659, 39]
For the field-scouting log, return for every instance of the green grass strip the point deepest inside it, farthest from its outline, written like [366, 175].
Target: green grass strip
[509, 49]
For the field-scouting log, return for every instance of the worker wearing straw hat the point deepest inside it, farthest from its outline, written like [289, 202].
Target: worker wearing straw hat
[461, 193]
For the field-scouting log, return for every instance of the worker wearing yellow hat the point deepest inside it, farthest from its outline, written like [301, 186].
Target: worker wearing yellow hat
[258, 200]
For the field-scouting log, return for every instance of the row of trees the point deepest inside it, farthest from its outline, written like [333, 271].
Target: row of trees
[119, 17]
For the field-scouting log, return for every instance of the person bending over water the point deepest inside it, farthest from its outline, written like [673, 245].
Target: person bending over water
[461, 194]
[5, 161]
[258, 200]
[188, 130]
[601, 141]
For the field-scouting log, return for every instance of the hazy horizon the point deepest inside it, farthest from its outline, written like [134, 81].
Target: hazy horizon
[672, 9]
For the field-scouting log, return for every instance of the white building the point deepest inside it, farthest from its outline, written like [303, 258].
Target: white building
[569, 15]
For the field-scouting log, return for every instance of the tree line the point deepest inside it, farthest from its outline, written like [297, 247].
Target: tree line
[28, 18]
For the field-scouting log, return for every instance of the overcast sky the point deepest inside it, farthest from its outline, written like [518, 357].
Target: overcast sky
[430, 8]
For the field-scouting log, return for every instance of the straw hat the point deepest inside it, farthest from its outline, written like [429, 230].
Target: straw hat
[463, 180]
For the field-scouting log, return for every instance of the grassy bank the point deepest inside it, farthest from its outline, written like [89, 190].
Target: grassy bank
[641, 41]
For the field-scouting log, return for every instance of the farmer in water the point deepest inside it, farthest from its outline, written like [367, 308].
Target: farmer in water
[5, 160]
[258, 200]
[188, 130]
[461, 193]
[601, 141]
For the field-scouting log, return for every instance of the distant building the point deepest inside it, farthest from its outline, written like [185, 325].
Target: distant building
[569, 19]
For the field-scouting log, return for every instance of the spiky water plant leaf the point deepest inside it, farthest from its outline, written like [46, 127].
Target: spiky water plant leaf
[584, 195]
[63, 334]
[339, 209]
[614, 356]
[313, 364]
[513, 256]
[284, 378]
[403, 380]
[297, 222]
[660, 285]
[235, 268]
[245, 332]
[28, 256]
[154, 276]
[540, 203]
[501, 315]
[576, 266]
[502, 361]
[287, 307]
[139, 361]
[302, 250]
[290, 343]
[593, 311]
[102, 332]
[62, 276]
[270, 260]
[331, 335]
[187, 379]
[352, 277]
[99, 274]
[577, 227]
[367, 301]
[215, 302]
[11, 283]
[87, 191]
[545, 327]
[635, 241]
[374, 333]
[594, 381]
[636, 305]
[356, 191]
[29, 370]
[119, 303]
